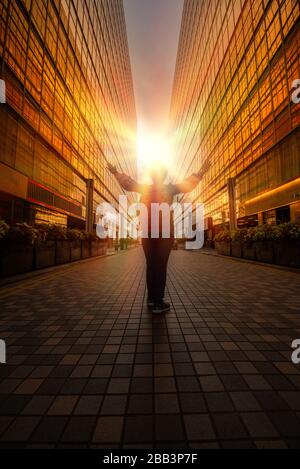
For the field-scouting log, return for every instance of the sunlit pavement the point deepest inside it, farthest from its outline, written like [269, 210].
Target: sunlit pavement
[88, 366]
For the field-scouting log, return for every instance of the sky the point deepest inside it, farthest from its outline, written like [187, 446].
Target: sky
[153, 28]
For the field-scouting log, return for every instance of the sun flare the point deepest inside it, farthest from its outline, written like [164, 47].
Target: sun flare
[153, 150]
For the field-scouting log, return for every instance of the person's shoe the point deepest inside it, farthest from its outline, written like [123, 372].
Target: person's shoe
[161, 308]
[150, 303]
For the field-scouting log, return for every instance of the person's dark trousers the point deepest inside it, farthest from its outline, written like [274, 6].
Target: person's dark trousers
[157, 252]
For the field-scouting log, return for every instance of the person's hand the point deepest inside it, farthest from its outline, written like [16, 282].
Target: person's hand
[112, 168]
[205, 168]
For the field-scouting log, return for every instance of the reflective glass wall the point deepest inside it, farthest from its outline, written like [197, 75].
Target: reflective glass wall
[231, 103]
[70, 104]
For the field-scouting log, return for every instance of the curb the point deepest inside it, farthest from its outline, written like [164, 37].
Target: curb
[247, 261]
[4, 282]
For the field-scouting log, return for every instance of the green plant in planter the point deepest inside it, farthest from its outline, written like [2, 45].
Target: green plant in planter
[249, 236]
[52, 232]
[93, 237]
[22, 233]
[223, 242]
[263, 237]
[17, 249]
[295, 231]
[287, 244]
[76, 235]
[239, 236]
[4, 229]
[262, 233]
[287, 231]
[224, 236]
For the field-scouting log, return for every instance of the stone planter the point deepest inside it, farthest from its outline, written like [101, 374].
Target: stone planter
[100, 248]
[95, 248]
[63, 252]
[86, 250]
[236, 249]
[75, 251]
[264, 251]
[123, 244]
[105, 248]
[45, 255]
[287, 253]
[224, 248]
[249, 251]
[16, 260]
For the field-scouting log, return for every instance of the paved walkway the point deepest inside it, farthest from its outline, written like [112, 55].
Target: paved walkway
[88, 366]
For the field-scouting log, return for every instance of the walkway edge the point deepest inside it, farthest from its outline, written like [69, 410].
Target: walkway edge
[248, 261]
[4, 282]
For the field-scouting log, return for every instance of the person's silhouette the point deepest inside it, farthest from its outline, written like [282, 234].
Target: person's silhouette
[157, 250]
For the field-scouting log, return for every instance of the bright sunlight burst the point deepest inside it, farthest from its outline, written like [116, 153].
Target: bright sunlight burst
[153, 149]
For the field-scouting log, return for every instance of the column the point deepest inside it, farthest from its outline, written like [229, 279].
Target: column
[90, 206]
[232, 203]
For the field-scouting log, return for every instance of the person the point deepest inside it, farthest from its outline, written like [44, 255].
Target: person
[157, 250]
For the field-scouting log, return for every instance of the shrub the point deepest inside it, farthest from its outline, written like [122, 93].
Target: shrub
[22, 233]
[295, 231]
[60, 233]
[4, 229]
[76, 235]
[93, 237]
[261, 233]
[287, 231]
[238, 236]
[52, 232]
[223, 237]
[249, 237]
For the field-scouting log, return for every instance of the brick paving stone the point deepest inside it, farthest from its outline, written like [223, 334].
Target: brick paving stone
[211, 384]
[275, 444]
[169, 428]
[219, 402]
[21, 429]
[63, 405]
[271, 400]
[259, 425]
[88, 405]
[14, 405]
[114, 405]
[118, 386]
[166, 404]
[199, 428]
[88, 366]
[245, 401]
[138, 429]
[165, 385]
[29, 386]
[79, 429]
[108, 430]
[229, 426]
[292, 399]
[192, 403]
[38, 405]
[287, 423]
[140, 404]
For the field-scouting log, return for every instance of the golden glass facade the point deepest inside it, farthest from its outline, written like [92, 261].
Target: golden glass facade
[70, 101]
[231, 103]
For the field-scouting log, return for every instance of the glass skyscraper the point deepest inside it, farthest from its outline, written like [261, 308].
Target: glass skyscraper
[231, 104]
[70, 108]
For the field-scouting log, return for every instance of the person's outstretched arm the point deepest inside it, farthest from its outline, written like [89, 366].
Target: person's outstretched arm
[189, 184]
[129, 184]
